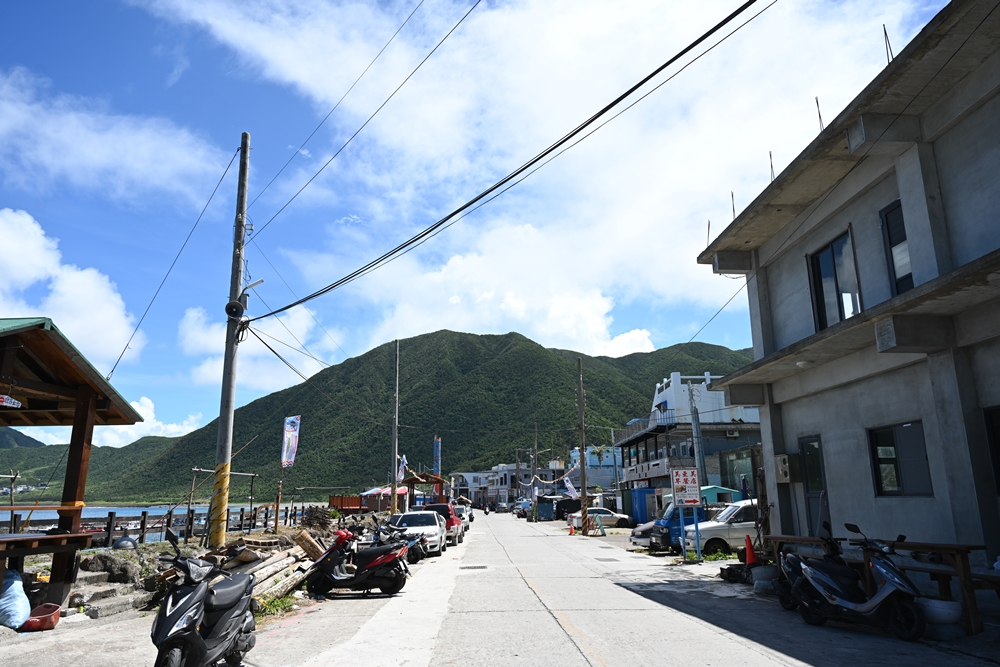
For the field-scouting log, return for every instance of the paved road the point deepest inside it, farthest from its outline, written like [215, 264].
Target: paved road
[523, 594]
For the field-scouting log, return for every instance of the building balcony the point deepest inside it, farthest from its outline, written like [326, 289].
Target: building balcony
[657, 467]
[661, 419]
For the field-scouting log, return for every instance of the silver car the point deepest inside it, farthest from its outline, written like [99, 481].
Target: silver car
[428, 524]
[465, 513]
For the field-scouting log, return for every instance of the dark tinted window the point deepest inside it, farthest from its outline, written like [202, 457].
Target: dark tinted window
[835, 283]
[897, 248]
[899, 460]
[443, 510]
[412, 520]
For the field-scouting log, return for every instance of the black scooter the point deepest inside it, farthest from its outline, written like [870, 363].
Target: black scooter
[199, 624]
[830, 589]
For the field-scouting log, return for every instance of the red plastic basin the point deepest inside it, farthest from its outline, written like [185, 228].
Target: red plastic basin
[43, 617]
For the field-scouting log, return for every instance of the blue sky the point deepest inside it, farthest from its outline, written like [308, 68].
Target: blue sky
[118, 118]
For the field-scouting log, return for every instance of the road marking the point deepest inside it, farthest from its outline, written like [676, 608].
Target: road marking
[403, 632]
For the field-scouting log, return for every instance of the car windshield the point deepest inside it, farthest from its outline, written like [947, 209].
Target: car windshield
[460, 509]
[416, 519]
[667, 511]
[727, 514]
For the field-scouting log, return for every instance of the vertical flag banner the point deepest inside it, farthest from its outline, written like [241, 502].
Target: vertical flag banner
[290, 442]
[571, 489]
[402, 469]
[437, 455]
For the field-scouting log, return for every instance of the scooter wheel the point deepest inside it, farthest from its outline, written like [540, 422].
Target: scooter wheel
[169, 658]
[811, 617]
[787, 602]
[906, 619]
[395, 586]
[319, 585]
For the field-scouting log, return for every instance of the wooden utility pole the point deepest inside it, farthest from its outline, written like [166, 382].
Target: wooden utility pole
[395, 437]
[234, 312]
[583, 447]
[534, 474]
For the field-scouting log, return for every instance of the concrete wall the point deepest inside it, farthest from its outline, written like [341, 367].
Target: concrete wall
[841, 418]
[968, 161]
[789, 290]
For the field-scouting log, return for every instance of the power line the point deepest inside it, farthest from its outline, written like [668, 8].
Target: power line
[343, 97]
[358, 131]
[302, 349]
[429, 231]
[177, 257]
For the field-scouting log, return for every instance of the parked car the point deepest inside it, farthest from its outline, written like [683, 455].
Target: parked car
[608, 518]
[728, 530]
[453, 523]
[640, 534]
[466, 514]
[501, 508]
[430, 524]
[666, 534]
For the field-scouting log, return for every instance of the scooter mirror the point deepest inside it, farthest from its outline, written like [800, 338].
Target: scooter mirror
[172, 538]
[828, 528]
[901, 538]
[853, 528]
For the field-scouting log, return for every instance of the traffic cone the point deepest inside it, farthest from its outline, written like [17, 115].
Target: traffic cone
[751, 556]
[571, 531]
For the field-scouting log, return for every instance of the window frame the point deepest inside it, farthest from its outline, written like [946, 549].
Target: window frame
[816, 290]
[890, 264]
[901, 479]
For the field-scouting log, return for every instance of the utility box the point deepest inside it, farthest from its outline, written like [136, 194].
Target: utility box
[786, 468]
[640, 508]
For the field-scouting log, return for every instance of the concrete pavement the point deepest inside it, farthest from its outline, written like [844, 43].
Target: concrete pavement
[518, 593]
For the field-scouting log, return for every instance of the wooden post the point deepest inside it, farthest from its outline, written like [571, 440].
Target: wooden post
[168, 524]
[226, 528]
[142, 527]
[286, 516]
[242, 517]
[15, 523]
[267, 516]
[189, 526]
[309, 545]
[111, 529]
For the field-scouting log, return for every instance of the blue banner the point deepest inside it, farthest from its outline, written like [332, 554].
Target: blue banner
[437, 455]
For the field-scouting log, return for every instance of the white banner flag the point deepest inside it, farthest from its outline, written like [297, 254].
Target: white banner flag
[402, 469]
[571, 489]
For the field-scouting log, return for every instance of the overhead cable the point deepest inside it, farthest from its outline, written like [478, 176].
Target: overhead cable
[342, 98]
[358, 131]
[513, 176]
[171, 268]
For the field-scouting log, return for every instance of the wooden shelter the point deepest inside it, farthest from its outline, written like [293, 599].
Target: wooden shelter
[55, 386]
[427, 478]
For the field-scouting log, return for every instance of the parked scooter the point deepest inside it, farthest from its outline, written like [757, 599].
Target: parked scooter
[416, 544]
[199, 624]
[830, 589]
[341, 566]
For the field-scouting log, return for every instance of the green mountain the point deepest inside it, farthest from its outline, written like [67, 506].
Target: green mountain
[10, 438]
[482, 394]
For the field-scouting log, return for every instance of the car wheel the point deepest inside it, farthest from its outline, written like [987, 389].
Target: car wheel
[622, 523]
[461, 538]
[716, 546]
[444, 546]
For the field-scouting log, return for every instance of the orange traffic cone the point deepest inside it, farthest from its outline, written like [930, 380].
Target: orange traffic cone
[571, 531]
[751, 556]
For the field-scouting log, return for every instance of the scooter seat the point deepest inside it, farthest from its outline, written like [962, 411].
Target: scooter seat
[227, 592]
[835, 570]
[366, 556]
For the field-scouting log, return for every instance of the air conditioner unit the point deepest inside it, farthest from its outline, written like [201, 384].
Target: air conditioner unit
[732, 434]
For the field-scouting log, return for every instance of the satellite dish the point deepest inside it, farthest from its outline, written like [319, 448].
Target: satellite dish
[234, 309]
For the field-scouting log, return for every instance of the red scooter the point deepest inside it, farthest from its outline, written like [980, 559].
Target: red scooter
[341, 566]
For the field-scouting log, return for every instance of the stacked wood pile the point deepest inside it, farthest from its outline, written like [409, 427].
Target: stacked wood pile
[278, 569]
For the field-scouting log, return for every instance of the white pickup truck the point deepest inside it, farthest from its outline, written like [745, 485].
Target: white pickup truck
[728, 530]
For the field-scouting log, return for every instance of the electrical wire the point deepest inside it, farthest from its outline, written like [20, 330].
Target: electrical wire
[343, 97]
[172, 264]
[363, 125]
[499, 185]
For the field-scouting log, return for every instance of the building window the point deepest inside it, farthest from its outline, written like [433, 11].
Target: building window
[897, 250]
[899, 460]
[835, 283]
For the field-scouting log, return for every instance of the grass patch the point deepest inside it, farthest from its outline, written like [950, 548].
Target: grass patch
[276, 606]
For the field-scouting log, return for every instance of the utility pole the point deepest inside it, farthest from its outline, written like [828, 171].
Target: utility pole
[614, 461]
[583, 446]
[517, 473]
[234, 311]
[699, 446]
[395, 436]
[534, 474]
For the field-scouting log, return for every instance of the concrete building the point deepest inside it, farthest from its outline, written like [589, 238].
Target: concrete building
[472, 485]
[650, 447]
[873, 273]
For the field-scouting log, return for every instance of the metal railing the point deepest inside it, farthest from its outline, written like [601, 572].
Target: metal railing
[637, 426]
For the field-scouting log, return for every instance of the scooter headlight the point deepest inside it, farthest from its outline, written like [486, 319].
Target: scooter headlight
[190, 617]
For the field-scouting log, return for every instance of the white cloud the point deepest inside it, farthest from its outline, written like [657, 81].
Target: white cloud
[618, 219]
[119, 436]
[257, 367]
[46, 139]
[83, 303]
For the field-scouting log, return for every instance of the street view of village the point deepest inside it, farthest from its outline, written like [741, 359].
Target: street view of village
[471, 415]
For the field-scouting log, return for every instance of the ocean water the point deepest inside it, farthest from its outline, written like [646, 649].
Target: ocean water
[101, 511]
